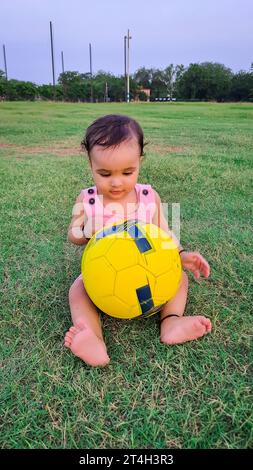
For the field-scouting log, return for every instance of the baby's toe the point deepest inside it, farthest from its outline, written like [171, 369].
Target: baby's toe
[69, 335]
[206, 323]
[67, 341]
[69, 338]
[73, 330]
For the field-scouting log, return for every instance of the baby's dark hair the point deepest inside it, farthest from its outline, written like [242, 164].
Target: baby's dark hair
[110, 131]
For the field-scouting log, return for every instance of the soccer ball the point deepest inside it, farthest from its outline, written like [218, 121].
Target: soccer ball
[131, 269]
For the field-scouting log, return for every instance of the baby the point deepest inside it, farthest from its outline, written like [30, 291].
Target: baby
[114, 144]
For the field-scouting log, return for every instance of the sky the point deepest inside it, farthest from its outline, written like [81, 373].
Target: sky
[162, 31]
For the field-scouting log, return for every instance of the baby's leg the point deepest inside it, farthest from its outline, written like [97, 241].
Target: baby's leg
[85, 338]
[178, 329]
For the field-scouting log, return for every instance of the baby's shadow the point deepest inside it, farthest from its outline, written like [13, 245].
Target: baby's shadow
[130, 338]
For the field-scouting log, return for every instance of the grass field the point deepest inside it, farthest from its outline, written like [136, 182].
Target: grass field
[196, 395]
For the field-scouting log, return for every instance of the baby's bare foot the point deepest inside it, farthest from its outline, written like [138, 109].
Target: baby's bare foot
[86, 345]
[176, 330]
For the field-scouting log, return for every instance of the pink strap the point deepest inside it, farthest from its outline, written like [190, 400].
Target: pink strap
[146, 193]
[89, 195]
[146, 204]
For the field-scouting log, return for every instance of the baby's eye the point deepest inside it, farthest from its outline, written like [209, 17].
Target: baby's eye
[129, 173]
[105, 176]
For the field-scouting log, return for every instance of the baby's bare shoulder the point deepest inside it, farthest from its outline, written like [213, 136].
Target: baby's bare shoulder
[79, 198]
[157, 197]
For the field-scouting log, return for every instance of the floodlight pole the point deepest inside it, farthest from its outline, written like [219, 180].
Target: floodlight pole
[128, 66]
[62, 62]
[125, 67]
[5, 63]
[106, 92]
[91, 85]
[52, 55]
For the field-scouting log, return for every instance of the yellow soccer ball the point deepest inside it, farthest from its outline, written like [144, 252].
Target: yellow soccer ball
[131, 269]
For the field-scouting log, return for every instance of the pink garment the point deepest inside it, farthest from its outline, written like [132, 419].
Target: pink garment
[98, 216]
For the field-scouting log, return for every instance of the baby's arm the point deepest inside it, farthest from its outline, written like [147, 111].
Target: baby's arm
[192, 261]
[75, 230]
[160, 221]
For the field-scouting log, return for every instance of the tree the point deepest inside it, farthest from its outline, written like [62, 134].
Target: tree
[158, 87]
[99, 84]
[217, 79]
[242, 86]
[142, 96]
[76, 86]
[19, 90]
[143, 77]
[206, 81]
[47, 92]
[2, 84]
[169, 76]
[115, 86]
[161, 82]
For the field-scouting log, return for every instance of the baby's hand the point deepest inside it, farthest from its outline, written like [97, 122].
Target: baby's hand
[194, 262]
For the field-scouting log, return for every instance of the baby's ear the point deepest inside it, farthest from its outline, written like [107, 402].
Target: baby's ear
[141, 159]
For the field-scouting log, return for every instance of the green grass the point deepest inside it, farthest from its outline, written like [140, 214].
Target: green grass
[196, 395]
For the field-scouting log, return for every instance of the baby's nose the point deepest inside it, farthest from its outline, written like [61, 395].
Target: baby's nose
[115, 182]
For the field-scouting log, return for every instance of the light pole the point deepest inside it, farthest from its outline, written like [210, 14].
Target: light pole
[5, 63]
[62, 61]
[125, 67]
[128, 66]
[52, 54]
[91, 87]
[106, 93]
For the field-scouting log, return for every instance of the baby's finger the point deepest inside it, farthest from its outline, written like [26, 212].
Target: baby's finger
[198, 261]
[196, 274]
[202, 265]
[205, 269]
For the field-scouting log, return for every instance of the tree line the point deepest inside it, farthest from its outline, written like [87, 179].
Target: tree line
[205, 81]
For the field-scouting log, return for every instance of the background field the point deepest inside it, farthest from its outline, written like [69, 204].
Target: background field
[196, 395]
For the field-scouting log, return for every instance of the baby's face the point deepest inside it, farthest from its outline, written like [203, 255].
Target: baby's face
[115, 170]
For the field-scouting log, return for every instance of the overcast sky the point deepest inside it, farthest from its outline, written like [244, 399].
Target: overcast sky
[163, 32]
